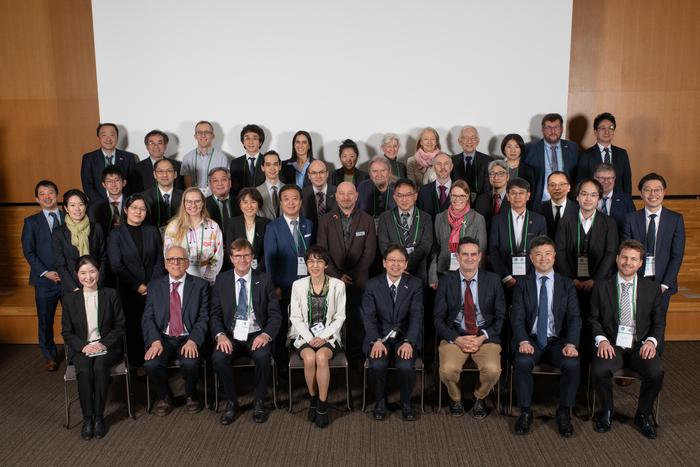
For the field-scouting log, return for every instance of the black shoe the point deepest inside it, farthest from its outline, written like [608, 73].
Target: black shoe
[602, 424]
[645, 423]
[193, 406]
[522, 424]
[259, 412]
[456, 408]
[380, 410]
[566, 429]
[313, 405]
[229, 413]
[100, 427]
[321, 415]
[163, 407]
[88, 430]
[408, 413]
[479, 409]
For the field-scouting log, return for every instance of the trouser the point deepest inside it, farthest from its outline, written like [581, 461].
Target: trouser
[157, 369]
[93, 374]
[406, 368]
[46, 298]
[280, 341]
[354, 324]
[222, 363]
[452, 360]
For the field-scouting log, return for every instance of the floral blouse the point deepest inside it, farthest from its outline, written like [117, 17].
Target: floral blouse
[204, 245]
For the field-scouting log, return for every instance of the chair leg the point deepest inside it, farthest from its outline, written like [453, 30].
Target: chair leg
[148, 394]
[656, 415]
[510, 393]
[289, 386]
[274, 385]
[128, 394]
[422, 390]
[438, 385]
[65, 393]
[347, 388]
[364, 388]
[216, 393]
[497, 387]
[593, 403]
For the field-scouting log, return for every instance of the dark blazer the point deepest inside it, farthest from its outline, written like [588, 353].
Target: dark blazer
[380, 315]
[195, 309]
[481, 163]
[484, 206]
[37, 247]
[356, 260]
[236, 229]
[499, 245]
[526, 173]
[338, 176]
[604, 318]
[143, 179]
[240, 174]
[567, 317]
[591, 158]
[421, 230]
[571, 210]
[670, 243]
[158, 212]
[265, 305]
[308, 202]
[215, 214]
[535, 159]
[110, 319]
[449, 303]
[366, 198]
[131, 269]
[621, 204]
[288, 174]
[91, 172]
[429, 201]
[280, 251]
[602, 247]
[65, 255]
[398, 168]
[100, 212]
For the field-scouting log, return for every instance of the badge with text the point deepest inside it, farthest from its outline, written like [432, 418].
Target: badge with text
[650, 266]
[519, 266]
[240, 331]
[317, 328]
[301, 267]
[625, 337]
[454, 264]
[582, 267]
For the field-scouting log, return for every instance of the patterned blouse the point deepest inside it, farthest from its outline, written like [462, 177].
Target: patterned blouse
[204, 245]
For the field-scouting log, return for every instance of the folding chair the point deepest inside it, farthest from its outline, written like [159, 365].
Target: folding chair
[175, 365]
[420, 367]
[622, 373]
[247, 362]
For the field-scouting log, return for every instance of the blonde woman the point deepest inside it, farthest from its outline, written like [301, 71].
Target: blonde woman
[419, 167]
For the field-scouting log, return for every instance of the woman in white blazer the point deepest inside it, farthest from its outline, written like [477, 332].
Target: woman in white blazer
[317, 313]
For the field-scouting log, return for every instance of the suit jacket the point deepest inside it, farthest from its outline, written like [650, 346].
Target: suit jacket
[591, 158]
[527, 173]
[195, 309]
[299, 332]
[480, 162]
[475, 227]
[288, 174]
[215, 213]
[65, 255]
[338, 176]
[91, 172]
[158, 212]
[571, 210]
[143, 178]
[132, 269]
[499, 242]
[429, 201]
[670, 243]
[37, 248]
[604, 318]
[280, 251]
[240, 173]
[224, 302]
[236, 229]
[380, 315]
[356, 260]
[621, 204]
[100, 212]
[266, 210]
[398, 169]
[367, 198]
[567, 317]
[308, 202]
[420, 238]
[535, 159]
[602, 247]
[110, 320]
[484, 206]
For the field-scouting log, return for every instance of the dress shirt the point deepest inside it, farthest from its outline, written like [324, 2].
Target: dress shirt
[181, 293]
[551, 331]
[518, 221]
[586, 223]
[119, 200]
[601, 148]
[647, 213]
[323, 190]
[447, 185]
[409, 220]
[47, 215]
[548, 164]
[253, 325]
[93, 328]
[390, 283]
[563, 208]
[289, 220]
[474, 287]
[269, 186]
[113, 155]
[300, 173]
[608, 202]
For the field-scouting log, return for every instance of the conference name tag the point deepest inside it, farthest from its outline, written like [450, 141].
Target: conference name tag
[254, 264]
[454, 264]
[409, 250]
[301, 267]
[391, 335]
[625, 337]
[582, 270]
[360, 233]
[650, 266]
[519, 266]
[317, 328]
[240, 330]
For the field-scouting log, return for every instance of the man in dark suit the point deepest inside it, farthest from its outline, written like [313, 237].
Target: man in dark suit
[549, 155]
[36, 246]
[662, 232]
[221, 205]
[603, 152]
[492, 203]
[434, 197]
[245, 317]
[162, 200]
[108, 213]
[392, 312]
[348, 172]
[626, 310]
[349, 236]
[269, 190]
[156, 144]
[95, 162]
[614, 203]
[471, 165]
[546, 325]
[470, 309]
[246, 170]
[174, 327]
[319, 197]
[408, 226]
[559, 206]
[375, 194]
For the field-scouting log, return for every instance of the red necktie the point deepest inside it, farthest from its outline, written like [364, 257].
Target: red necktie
[496, 204]
[443, 194]
[469, 310]
[176, 326]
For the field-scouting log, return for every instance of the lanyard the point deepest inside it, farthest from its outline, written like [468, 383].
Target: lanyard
[201, 247]
[375, 198]
[578, 231]
[196, 156]
[416, 212]
[296, 245]
[634, 299]
[325, 298]
[523, 240]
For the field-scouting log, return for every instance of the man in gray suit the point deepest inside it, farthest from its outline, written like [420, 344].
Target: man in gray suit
[270, 189]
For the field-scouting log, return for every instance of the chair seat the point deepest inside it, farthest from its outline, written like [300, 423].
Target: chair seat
[117, 370]
[339, 360]
[545, 368]
[626, 373]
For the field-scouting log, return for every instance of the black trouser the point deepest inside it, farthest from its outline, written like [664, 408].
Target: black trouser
[406, 368]
[222, 363]
[354, 324]
[134, 304]
[280, 341]
[568, 381]
[650, 370]
[46, 297]
[93, 374]
[157, 369]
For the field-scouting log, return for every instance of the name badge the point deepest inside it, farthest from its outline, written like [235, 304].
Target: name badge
[376, 223]
[625, 337]
[254, 264]
[409, 250]
[650, 266]
[240, 330]
[582, 269]
[317, 328]
[454, 264]
[360, 233]
[301, 267]
[519, 266]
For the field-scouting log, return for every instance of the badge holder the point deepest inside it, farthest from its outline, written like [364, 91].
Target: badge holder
[582, 269]
[625, 337]
[650, 266]
[454, 264]
[317, 328]
[301, 267]
[519, 266]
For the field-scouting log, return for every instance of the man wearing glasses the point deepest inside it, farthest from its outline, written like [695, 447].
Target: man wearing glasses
[198, 162]
[558, 206]
[164, 198]
[614, 203]
[471, 165]
[603, 152]
[319, 197]
[491, 204]
[156, 142]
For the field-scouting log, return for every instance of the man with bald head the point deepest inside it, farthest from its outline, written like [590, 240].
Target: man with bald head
[349, 235]
[434, 197]
[319, 197]
[471, 165]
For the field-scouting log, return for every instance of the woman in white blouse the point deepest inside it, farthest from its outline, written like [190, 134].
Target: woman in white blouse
[198, 234]
[93, 341]
[317, 313]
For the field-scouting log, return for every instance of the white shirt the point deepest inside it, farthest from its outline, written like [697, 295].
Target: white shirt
[586, 223]
[289, 220]
[181, 293]
[551, 331]
[119, 200]
[474, 287]
[169, 192]
[601, 148]
[563, 208]
[518, 220]
[323, 190]
[388, 280]
[93, 328]
[49, 219]
[253, 325]
[270, 185]
[447, 185]
[607, 202]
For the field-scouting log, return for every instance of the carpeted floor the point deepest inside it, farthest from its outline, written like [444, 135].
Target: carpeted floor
[32, 433]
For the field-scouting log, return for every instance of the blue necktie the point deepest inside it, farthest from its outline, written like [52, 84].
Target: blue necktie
[55, 220]
[242, 305]
[542, 315]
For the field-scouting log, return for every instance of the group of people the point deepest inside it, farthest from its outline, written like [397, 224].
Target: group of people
[216, 258]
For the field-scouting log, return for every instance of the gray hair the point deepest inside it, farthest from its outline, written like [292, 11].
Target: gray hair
[499, 163]
[218, 169]
[469, 127]
[390, 137]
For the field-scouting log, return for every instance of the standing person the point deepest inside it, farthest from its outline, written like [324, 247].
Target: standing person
[221, 205]
[558, 207]
[108, 213]
[294, 169]
[249, 225]
[390, 151]
[348, 154]
[471, 165]
[319, 197]
[164, 199]
[246, 170]
[95, 162]
[93, 326]
[419, 167]
[36, 246]
[603, 152]
[270, 188]
[613, 203]
[197, 163]
[433, 197]
[513, 149]
[491, 204]
[375, 194]
[156, 142]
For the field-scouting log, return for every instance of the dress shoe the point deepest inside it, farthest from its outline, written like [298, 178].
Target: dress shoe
[259, 412]
[523, 422]
[100, 427]
[479, 409]
[408, 413]
[456, 408]
[321, 416]
[313, 406]
[192, 405]
[380, 410]
[602, 424]
[645, 423]
[624, 381]
[229, 413]
[163, 407]
[51, 365]
[566, 429]
[88, 430]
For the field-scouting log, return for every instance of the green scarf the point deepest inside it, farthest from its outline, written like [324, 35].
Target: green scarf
[79, 234]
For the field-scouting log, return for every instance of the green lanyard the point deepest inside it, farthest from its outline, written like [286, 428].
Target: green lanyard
[196, 155]
[634, 299]
[201, 247]
[296, 245]
[375, 197]
[416, 212]
[510, 232]
[325, 298]
[578, 231]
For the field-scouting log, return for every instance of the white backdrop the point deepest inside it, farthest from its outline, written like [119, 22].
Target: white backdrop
[336, 69]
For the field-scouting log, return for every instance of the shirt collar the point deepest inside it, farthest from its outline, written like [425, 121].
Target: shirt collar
[181, 280]
[601, 148]
[104, 153]
[620, 280]
[324, 189]
[471, 154]
[246, 277]
[388, 280]
[447, 185]
[516, 215]
[563, 203]
[118, 200]
[463, 278]
[647, 213]
[288, 220]
[549, 275]
[163, 192]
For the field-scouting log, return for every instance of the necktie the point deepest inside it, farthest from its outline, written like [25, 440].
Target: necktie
[404, 227]
[116, 218]
[604, 206]
[542, 315]
[242, 305]
[651, 235]
[469, 310]
[166, 200]
[275, 201]
[496, 204]
[606, 157]
[555, 161]
[297, 238]
[557, 217]
[56, 222]
[110, 160]
[321, 205]
[393, 293]
[251, 168]
[625, 305]
[443, 194]
[176, 326]
[468, 162]
[224, 211]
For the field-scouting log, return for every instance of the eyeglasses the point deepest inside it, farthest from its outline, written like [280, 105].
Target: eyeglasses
[155, 143]
[242, 256]
[166, 171]
[606, 128]
[204, 133]
[556, 186]
[315, 173]
[497, 174]
[655, 191]
[459, 196]
[175, 260]
[137, 209]
[605, 179]
[552, 127]
[395, 260]
[315, 261]
[193, 202]
[112, 181]
[470, 139]
[404, 195]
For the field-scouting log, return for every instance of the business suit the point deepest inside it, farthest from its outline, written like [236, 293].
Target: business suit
[570, 211]
[299, 331]
[194, 294]
[143, 178]
[160, 212]
[37, 249]
[223, 313]
[235, 229]
[280, 252]
[621, 204]
[288, 174]
[380, 316]
[567, 330]
[216, 215]
[101, 212]
[535, 159]
[91, 172]
[523, 171]
[478, 177]
[93, 373]
[600, 245]
[420, 239]
[484, 206]
[268, 210]
[500, 254]
[473, 226]
[371, 201]
[449, 307]
[398, 169]
[65, 255]
[132, 269]
[429, 201]
[592, 157]
[241, 176]
[338, 176]
[309, 202]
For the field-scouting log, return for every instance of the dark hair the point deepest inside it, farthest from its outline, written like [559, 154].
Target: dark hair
[518, 140]
[318, 252]
[518, 182]
[308, 138]
[240, 244]
[468, 240]
[86, 259]
[47, 184]
[649, 177]
[75, 192]
[112, 170]
[253, 193]
[604, 168]
[162, 134]
[553, 117]
[253, 128]
[541, 240]
[632, 245]
[395, 247]
[290, 186]
[133, 198]
[348, 144]
[604, 116]
[272, 153]
[172, 164]
[559, 172]
[405, 181]
[204, 122]
[99, 127]
[596, 183]
[219, 169]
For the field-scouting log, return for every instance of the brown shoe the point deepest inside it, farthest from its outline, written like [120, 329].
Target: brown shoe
[624, 381]
[192, 405]
[163, 407]
[51, 365]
